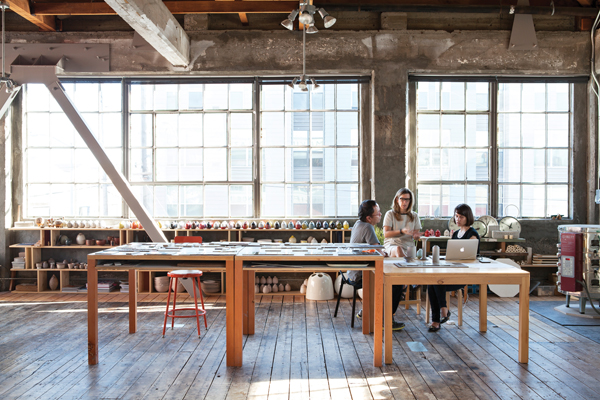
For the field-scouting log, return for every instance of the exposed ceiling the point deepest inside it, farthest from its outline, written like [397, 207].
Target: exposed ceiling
[47, 14]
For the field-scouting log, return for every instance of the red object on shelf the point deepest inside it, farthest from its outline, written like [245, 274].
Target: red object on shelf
[438, 233]
[426, 234]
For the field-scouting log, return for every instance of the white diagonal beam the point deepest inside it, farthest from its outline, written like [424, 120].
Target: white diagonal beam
[155, 23]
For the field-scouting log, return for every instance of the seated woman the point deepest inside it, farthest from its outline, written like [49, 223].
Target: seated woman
[401, 225]
[463, 216]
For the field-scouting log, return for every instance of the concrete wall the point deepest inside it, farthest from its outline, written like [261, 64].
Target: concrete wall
[389, 56]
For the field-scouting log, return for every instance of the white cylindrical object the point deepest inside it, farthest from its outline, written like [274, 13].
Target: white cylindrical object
[435, 254]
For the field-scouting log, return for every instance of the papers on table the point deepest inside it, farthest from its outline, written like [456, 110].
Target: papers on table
[429, 264]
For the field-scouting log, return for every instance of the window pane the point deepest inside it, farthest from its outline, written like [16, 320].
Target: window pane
[453, 130]
[347, 200]
[297, 165]
[347, 129]
[272, 128]
[87, 167]
[110, 203]
[62, 132]
[241, 201]
[347, 97]
[509, 97]
[37, 129]
[240, 96]
[141, 130]
[534, 162]
[558, 166]
[558, 200]
[61, 165]
[428, 130]
[509, 130]
[272, 165]
[215, 97]
[38, 199]
[477, 198]
[323, 200]
[142, 97]
[87, 195]
[452, 195]
[533, 198]
[477, 130]
[534, 130]
[509, 165]
[110, 130]
[190, 201]
[478, 96]
[558, 130]
[298, 201]
[272, 200]
[322, 165]
[323, 129]
[190, 164]
[300, 99]
[558, 97]
[141, 165]
[428, 95]
[86, 97]
[323, 98]
[534, 97]
[191, 97]
[453, 96]
[37, 165]
[241, 129]
[216, 199]
[428, 165]
[165, 201]
[38, 98]
[216, 165]
[509, 200]
[166, 130]
[61, 199]
[428, 198]
[166, 97]
[241, 164]
[215, 129]
[190, 130]
[300, 127]
[272, 97]
[347, 165]
[453, 164]
[477, 165]
[145, 195]
[167, 165]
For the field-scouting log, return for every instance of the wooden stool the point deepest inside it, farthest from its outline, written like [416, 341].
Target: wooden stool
[459, 298]
[175, 276]
[407, 302]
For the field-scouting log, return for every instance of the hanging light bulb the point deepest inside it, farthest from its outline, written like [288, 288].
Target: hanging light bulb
[306, 18]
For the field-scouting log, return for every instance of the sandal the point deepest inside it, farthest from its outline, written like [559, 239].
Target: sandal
[446, 318]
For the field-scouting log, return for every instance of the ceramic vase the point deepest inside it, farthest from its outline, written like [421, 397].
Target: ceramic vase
[53, 283]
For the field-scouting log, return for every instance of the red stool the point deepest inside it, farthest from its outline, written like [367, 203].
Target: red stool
[175, 276]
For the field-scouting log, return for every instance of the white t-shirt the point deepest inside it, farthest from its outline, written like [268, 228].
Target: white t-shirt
[395, 225]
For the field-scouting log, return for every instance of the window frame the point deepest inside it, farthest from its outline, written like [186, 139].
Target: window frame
[494, 183]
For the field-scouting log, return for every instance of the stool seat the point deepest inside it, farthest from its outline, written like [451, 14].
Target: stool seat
[185, 273]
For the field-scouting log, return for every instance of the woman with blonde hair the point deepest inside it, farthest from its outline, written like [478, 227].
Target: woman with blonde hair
[401, 225]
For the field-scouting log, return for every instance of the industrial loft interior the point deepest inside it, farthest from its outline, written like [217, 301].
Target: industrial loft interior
[324, 199]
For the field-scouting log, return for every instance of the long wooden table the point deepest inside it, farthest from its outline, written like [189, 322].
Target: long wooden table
[246, 268]
[212, 261]
[473, 273]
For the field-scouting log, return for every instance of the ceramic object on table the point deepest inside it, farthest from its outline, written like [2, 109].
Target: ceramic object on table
[318, 225]
[304, 225]
[39, 221]
[245, 225]
[71, 265]
[446, 233]
[70, 224]
[266, 289]
[325, 225]
[346, 225]
[53, 283]
[320, 287]
[288, 288]
[238, 225]
[284, 225]
[253, 225]
[276, 225]
[324, 241]
[267, 225]
[292, 239]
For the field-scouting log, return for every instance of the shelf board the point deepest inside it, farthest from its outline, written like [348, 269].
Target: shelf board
[291, 293]
[20, 246]
[503, 254]
[539, 265]
[76, 246]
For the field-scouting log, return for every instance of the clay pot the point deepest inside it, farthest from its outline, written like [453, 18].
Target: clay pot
[53, 283]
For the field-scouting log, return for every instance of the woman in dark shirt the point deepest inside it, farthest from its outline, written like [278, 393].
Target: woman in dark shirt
[463, 216]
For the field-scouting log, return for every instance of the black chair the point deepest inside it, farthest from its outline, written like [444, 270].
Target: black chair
[356, 285]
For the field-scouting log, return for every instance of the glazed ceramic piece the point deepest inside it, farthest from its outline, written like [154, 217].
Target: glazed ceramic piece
[275, 280]
[288, 288]
[276, 225]
[80, 239]
[39, 221]
[311, 225]
[323, 241]
[238, 225]
[267, 225]
[269, 280]
[283, 225]
[314, 241]
[304, 225]
[261, 225]
[318, 225]
[216, 225]
[281, 288]
[275, 289]
[253, 225]
[325, 225]
[70, 224]
[298, 225]
[256, 289]
[263, 280]
[292, 239]
[346, 225]
[266, 289]
[45, 264]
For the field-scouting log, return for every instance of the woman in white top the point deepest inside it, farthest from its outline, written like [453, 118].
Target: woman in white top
[401, 225]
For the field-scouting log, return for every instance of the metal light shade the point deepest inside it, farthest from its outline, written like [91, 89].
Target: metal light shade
[311, 29]
[286, 23]
[306, 18]
[329, 21]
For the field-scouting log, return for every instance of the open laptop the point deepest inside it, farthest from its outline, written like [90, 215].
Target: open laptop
[461, 249]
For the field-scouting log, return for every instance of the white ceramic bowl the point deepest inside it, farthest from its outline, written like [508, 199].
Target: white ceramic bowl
[320, 287]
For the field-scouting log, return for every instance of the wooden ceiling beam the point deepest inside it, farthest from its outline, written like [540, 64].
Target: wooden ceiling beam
[175, 7]
[44, 22]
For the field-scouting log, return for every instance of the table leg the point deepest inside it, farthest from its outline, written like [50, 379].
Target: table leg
[233, 313]
[132, 301]
[367, 297]
[378, 323]
[387, 317]
[249, 302]
[483, 307]
[524, 320]
[92, 278]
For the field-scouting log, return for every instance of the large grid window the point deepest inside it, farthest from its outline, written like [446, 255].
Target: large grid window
[458, 132]
[61, 175]
[191, 149]
[452, 153]
[309, 148]
[533, 148]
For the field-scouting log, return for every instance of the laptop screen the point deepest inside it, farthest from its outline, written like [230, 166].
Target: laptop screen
[461, 249]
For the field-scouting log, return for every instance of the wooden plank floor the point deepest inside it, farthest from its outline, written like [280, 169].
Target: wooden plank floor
[299, 351]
